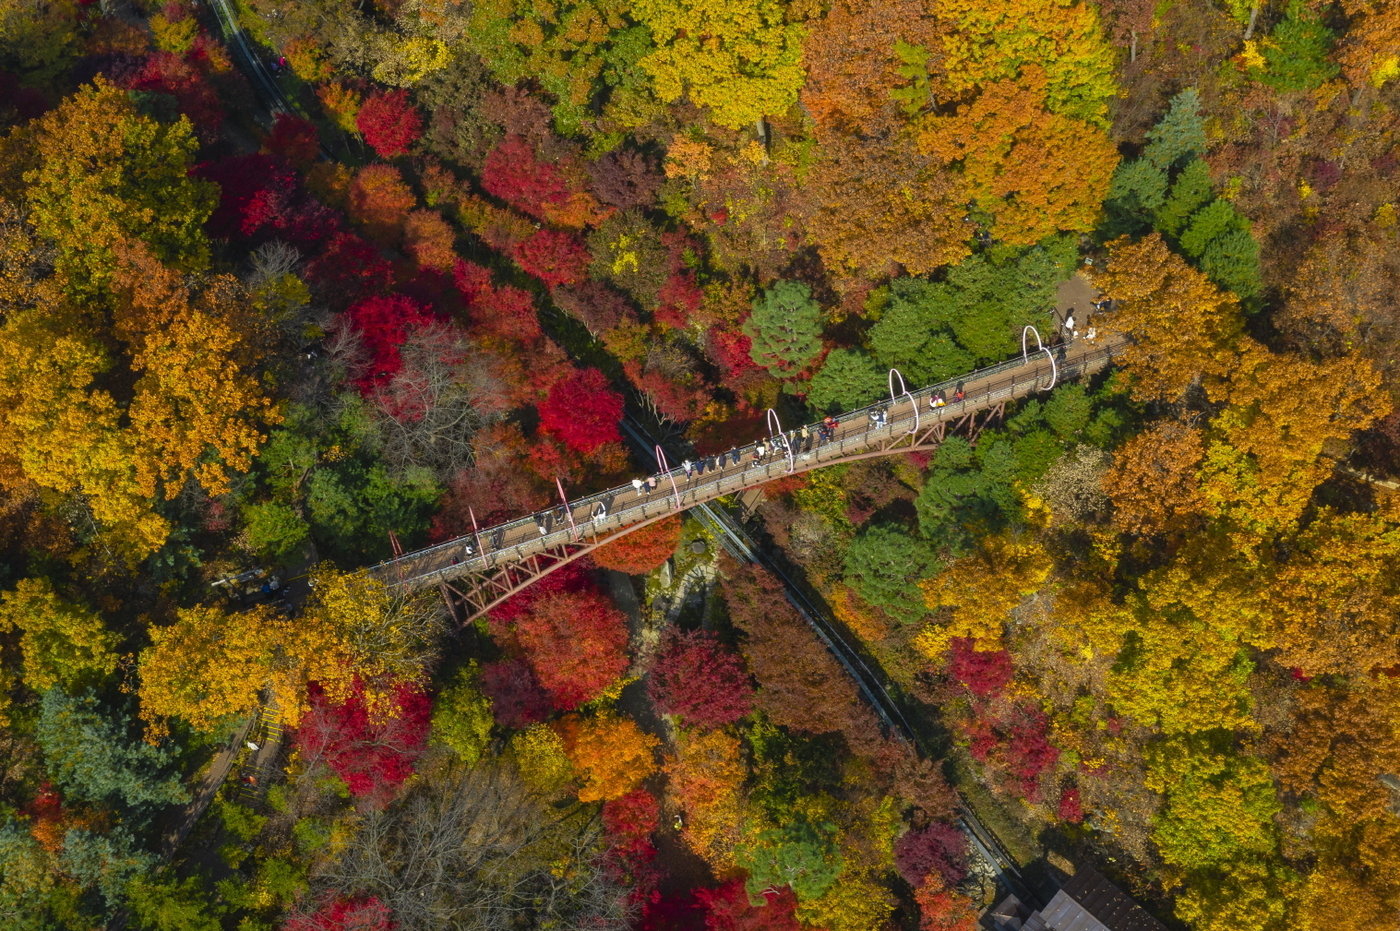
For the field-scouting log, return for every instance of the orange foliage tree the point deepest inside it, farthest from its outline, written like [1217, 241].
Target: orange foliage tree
[611, 754]
[576, 642]
[380, 201]
[642, 550]
[1184, 329]
[706, 780]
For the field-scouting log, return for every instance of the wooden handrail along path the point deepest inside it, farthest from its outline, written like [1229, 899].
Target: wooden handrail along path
[485, 567]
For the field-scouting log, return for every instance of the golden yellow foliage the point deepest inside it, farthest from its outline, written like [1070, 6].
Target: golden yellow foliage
[975, 596]
[63, 644]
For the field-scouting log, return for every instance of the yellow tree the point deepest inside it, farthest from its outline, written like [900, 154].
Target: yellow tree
[63, 644]
[64, 432]
[740, 59]
[975, 596]
[1184, 329]
[1284, 410]
[197, 408]
[107, 173]
[990, 42]
[1334, 605]
[210, 665]
[389, 636]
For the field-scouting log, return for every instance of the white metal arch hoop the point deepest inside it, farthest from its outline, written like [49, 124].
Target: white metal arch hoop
[776, 434]
[903, 391]
[1025, 355]
[665, 468]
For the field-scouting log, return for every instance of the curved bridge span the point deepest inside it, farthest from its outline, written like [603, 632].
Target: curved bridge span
[488, 565]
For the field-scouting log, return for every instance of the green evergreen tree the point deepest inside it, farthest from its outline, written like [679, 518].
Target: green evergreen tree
[1209, 223]
[1180, 133]
[848, 378]
[1138, 190]
[785, 329]
[1296, 52]
[95, 759]
[1191, 190]
[799, 855]
[160, 904]
[105, 862]
[884, 564]
[1232, 261]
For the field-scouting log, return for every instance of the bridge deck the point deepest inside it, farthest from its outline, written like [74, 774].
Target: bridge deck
[911, 424]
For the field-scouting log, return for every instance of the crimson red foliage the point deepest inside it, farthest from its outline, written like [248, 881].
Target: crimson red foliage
[389, 123]
[672, 913]
[728, 909]
[680, 298]
[1070, 808]
[255, 191]
[517, 700]
[348, 269]
[938, 847]
[342, 914]
[384, 322]
[473, 281]
[508, 312]
[582, 411]
[372, 754]
[628, 823]
[729, 349]
[671, 398]
[984, 673]
[514, 173]
[553, 256]
[294, 139]
[167, 73]
[700, 681]
[1018, 744]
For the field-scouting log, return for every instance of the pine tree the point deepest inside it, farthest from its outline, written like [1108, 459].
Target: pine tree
[1180, 132]
[785, 329]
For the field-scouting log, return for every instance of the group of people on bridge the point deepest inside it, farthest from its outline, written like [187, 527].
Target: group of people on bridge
[797, 443]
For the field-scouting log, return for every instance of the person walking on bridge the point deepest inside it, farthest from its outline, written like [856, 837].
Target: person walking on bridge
[637, 486]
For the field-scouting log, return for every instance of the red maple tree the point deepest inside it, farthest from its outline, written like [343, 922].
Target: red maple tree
[372, 753]
[384, 322]
[984, 673]
[294, 139]
[582, 411]
[517, 700]
[514, 173]
[348, 268]
[389, 123]
[728, 909]
[940, 847]
[553, 256]
[337, 913]
[576, 641]
[699, 681]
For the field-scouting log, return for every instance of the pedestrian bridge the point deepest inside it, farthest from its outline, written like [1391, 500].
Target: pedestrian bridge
[480, 569]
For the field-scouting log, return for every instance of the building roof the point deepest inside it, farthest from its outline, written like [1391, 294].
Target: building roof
[1086, 902]
[1110, 907]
